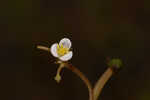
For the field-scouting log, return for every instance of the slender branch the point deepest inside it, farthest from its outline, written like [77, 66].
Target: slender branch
[83, 77]
[101, 82]
[43, 48]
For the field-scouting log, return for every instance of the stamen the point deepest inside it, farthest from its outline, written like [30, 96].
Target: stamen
[62, 50]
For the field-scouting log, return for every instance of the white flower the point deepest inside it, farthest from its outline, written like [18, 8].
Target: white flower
[62, 50]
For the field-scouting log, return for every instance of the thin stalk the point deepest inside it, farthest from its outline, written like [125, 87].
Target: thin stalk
[43, 48]
[101, 82]
[83, 78]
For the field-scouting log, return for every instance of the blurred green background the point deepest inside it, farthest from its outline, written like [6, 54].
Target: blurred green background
[98, 29]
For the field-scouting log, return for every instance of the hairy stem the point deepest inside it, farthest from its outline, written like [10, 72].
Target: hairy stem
[101, 82]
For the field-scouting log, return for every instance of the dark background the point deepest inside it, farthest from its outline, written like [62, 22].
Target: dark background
[98, 29]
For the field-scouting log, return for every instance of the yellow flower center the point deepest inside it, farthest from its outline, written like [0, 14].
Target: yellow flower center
[61, 50]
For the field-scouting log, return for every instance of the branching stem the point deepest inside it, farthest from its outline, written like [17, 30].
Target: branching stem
[76, 71]
[93, 92]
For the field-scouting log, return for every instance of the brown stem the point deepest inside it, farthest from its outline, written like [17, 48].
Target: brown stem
[101, 82]
[82, 76]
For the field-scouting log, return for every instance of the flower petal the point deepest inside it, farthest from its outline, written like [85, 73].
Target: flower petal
[65, 42]
[66, 57]
[53, 50]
